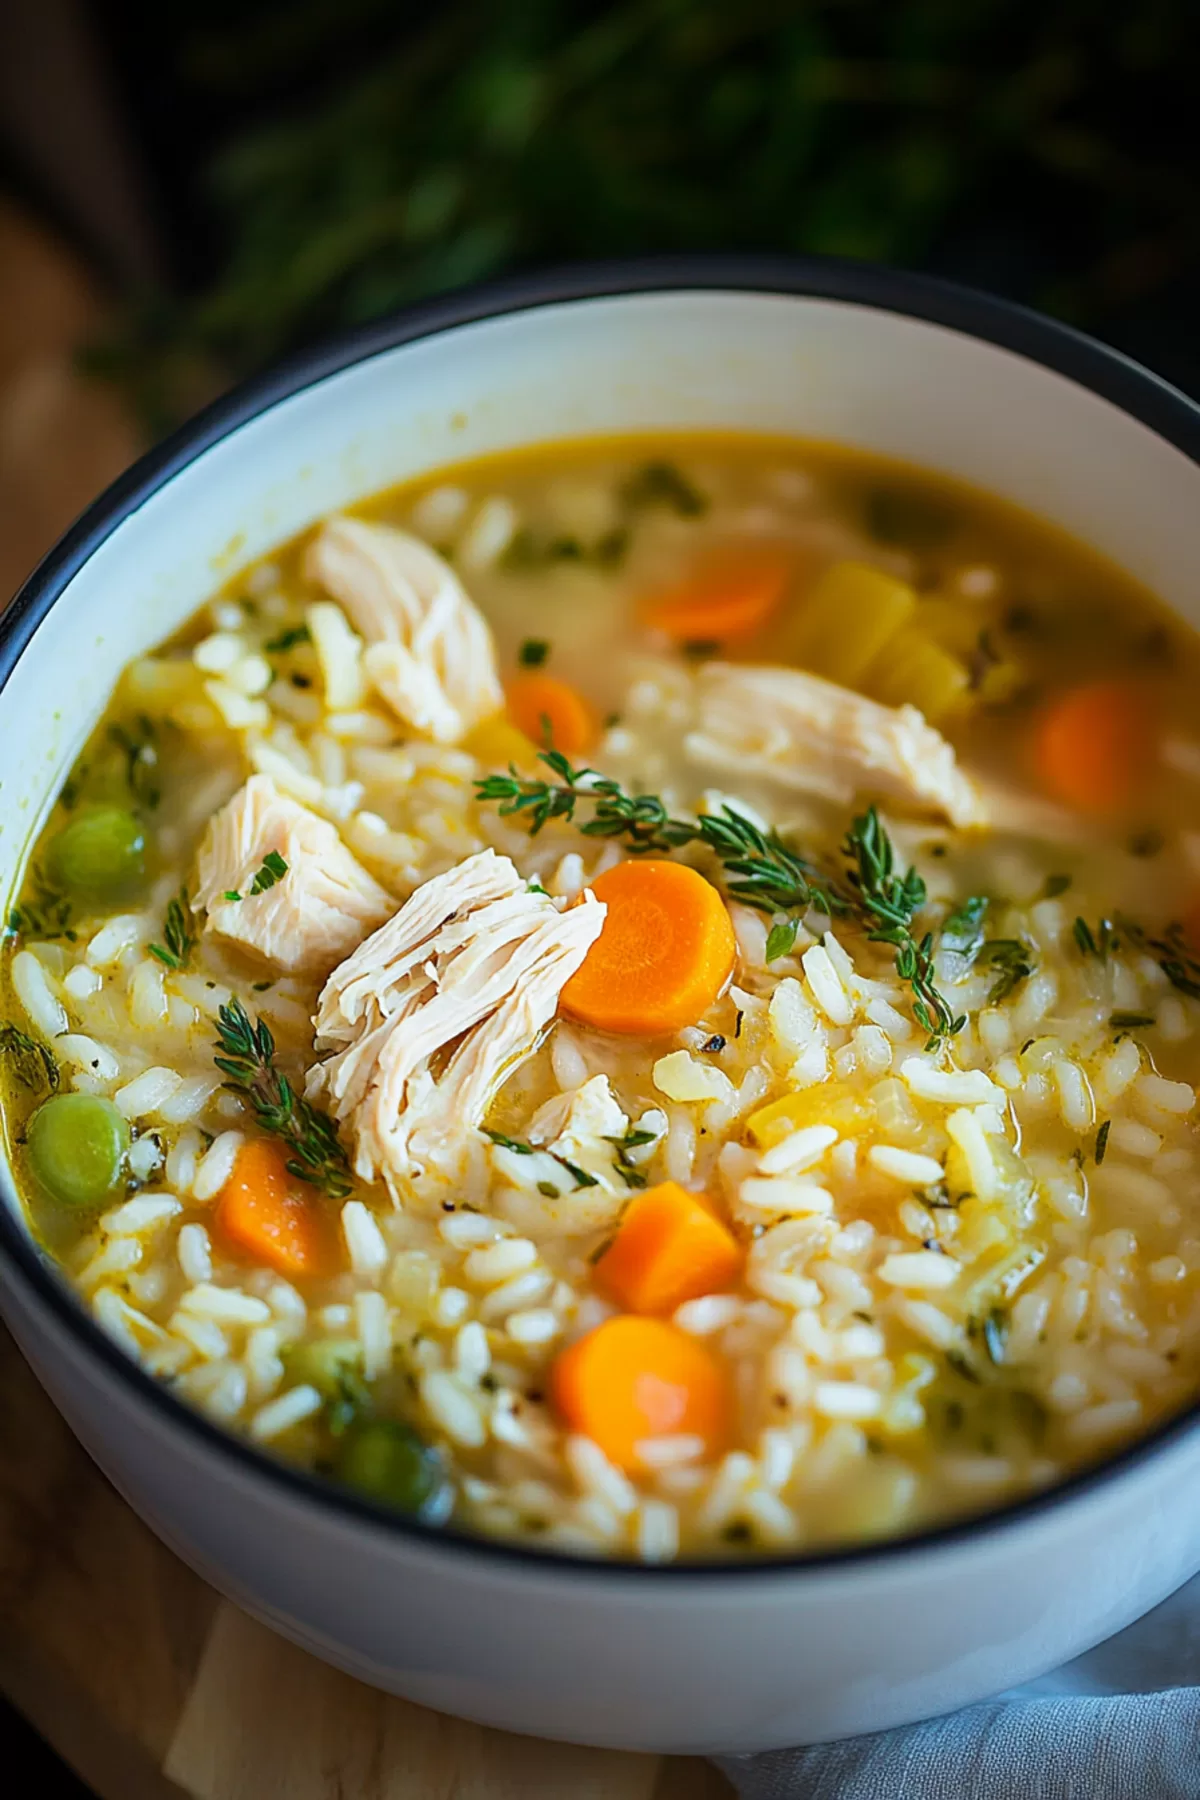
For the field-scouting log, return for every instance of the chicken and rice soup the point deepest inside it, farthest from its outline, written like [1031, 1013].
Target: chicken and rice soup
[639, 997]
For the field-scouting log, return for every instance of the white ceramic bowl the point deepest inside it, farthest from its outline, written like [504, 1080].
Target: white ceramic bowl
[679, 1659]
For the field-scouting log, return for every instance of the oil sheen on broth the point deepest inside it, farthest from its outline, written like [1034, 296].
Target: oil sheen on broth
[701, 1063]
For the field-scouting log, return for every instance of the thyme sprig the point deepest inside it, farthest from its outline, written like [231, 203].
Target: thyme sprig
[246, 1056]
[761, 870]
[179, 936]
[888, 902]
[32, 1063]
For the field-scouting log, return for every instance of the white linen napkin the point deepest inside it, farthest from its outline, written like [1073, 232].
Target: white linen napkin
[1119, 1723]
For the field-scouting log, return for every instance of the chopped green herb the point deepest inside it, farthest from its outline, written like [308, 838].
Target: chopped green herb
[663, 484]
[904, 516]
[995, 1334]
[1055, 885]
[177, 933]
[633, 1139]
[580, 1176]
[961, 937]
[231, 894]
[273, 870]
[32, 1063]
[533, 653]
[548, 1190]
[139, 744]
[781, 938]
[1102, 1141]
[246, 1056]
[288, 640]
[1013, 961]
[44, 913]
[1131, 1021]
[1101, 942]
[508, 1143]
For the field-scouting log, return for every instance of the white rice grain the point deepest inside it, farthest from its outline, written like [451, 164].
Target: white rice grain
[710, 1313]
[1165, 1096]
[918, 1269]
[784, 1197]
[453, 1409]
[216, 1165]
[488, 535]
[825, 985]
[114, 938]
[81, 1052]
[147, 995]
[32, 987]
[951, 1087]
[1076, 1107]
[189, 1099]
[905, 1165]
[846, 1400]
[81, 982]
[289, 1410]
[798, 1151]
[1133, 1139]
[224, 1306]
[497, 1262]
[595, 1474]
[374, 1331]
[535, 1325]
[472, 1357]
[146, 1092]
[656, 1531]
[193, 1248]
[144, 1214]
[365, 1243]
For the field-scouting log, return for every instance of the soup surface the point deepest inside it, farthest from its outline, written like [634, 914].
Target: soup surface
[640, 997]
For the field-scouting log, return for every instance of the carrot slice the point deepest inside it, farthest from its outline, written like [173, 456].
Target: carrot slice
[633, 1379]
[1093, 747]
[664, 953]
[265, 1213]
[670, 1247]
[550, 711]
[721, 604]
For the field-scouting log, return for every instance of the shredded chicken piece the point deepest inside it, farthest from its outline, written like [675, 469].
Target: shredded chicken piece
[469, 970]
[815, 737]
[312, 916]
[429, 651]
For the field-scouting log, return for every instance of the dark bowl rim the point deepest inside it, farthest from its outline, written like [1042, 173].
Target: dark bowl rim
[1102, 370]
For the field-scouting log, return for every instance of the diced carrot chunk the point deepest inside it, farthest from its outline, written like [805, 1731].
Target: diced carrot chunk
[670, 1247]
[265, 1213]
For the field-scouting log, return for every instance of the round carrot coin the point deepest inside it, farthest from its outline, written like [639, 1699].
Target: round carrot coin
[664, 953]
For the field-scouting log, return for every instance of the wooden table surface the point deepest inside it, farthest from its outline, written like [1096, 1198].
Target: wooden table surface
[138, 1674]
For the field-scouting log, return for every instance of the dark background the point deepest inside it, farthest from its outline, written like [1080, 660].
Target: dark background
[275, 168]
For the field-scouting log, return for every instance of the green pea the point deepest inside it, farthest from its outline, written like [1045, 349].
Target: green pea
[101, 853]
[387, 1461]
[77, 1145]
[331, 1365]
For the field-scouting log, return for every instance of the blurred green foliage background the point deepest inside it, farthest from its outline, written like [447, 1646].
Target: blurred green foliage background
[362, 157]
